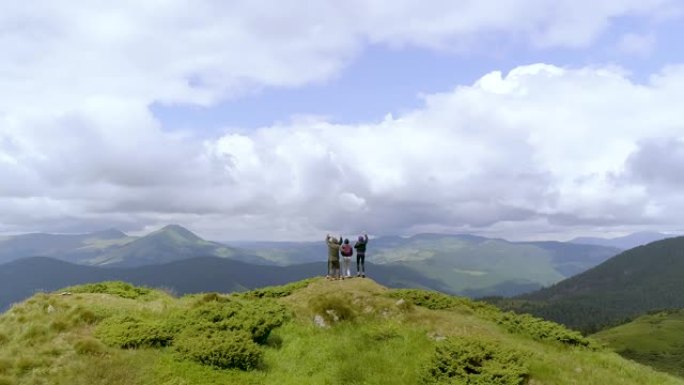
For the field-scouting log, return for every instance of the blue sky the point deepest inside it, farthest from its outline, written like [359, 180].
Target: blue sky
[252, 120]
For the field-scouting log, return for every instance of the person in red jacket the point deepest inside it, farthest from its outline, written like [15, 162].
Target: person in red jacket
[347, 251]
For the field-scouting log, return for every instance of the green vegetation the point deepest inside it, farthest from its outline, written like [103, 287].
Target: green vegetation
[638, 281]
[363, 334]
[656, 340]
[477, 362]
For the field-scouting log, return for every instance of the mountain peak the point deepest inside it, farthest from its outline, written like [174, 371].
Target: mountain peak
[178, 231]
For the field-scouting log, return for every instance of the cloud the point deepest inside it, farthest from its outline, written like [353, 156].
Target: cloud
[79, 144]
[637, 44]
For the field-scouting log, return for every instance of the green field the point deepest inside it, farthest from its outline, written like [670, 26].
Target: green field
[655, 339]
[113, 333]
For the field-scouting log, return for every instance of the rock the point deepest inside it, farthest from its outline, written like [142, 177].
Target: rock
[333, 314]
[400, 302]
[65, 293]
[50, 309]
[320, 321]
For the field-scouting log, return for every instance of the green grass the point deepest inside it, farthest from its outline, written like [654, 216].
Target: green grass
[655, 339]
[379, 338]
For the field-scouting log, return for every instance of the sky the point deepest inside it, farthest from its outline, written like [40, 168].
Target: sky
[288, 120]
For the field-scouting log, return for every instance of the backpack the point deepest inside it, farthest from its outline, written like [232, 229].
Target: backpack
[346, 250]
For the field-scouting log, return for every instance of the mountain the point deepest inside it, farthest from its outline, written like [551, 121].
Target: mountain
[114, 248]
[304, 333]
[656, 340]
[22, 278]
[626, 242]
[467, 264]
[637, 281]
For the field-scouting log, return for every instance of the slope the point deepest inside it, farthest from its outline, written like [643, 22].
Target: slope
[656, 340]
[637, 281]
[112, 333]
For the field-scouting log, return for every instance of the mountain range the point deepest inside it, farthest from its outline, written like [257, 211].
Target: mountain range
[458, 264]
[625, 242]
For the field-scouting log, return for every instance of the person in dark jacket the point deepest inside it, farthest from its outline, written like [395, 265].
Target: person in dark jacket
[333, 256]
[360, 247]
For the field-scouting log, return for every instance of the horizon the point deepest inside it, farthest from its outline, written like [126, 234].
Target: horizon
[523, 121]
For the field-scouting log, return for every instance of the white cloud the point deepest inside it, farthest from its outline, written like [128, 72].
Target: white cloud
[80, 148]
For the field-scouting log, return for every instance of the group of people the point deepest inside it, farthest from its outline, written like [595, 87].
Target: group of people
[340, 246]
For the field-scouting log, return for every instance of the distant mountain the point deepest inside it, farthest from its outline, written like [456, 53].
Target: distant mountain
[655, 340]
[22, 278]
[114, 248]
[467, 264]
[626, 242]
[637, 281]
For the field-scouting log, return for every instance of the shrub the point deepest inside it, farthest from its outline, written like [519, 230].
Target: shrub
[131, 332]
[220, 348]
[6, 365]
[80, 316]
[543, 330]
[89, 346]
[59, 325]
[439, 301]
[276, 291]
[118, 288]
[475, 362]
[257, 318]
[331, 306]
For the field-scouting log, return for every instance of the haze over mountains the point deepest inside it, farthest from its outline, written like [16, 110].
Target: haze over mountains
[458, 264]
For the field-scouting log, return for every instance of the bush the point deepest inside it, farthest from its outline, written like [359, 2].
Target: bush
[257, 318]
[131, 332]
[89, 346]
[80, 316]
[276, 291]
[6, 365]
[118, 288]
[542, 330]
[220, 348]
[439, 301]
[475, 362]
[332, 306]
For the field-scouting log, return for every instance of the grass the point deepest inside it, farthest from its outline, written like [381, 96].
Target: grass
[656, 340]
[378, 339]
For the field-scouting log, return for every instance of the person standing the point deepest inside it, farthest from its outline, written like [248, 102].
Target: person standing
[333, 256]
[360, 247]
[347, 252]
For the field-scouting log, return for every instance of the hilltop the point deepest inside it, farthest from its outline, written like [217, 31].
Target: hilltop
[307, 332]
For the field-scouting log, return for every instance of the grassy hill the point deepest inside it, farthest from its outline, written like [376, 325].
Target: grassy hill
[113, 333]
[637, 281]
[656, 340]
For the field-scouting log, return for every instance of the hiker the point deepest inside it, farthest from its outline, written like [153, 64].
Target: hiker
[347, 252]
[360, 247]
[333, 256]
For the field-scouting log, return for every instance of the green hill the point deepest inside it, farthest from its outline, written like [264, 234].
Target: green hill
[637, 281]
[307, 332]
[656, 340]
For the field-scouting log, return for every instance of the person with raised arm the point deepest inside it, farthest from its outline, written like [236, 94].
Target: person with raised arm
[360, 247]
